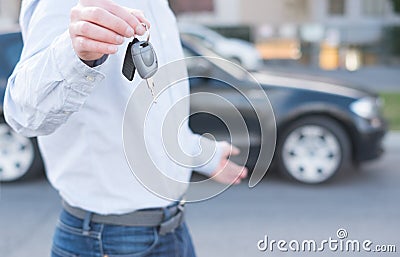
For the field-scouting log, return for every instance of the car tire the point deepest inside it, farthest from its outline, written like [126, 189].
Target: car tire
[313, 150]
[19, 156]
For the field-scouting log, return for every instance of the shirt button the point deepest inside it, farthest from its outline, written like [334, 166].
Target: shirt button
[90, 78]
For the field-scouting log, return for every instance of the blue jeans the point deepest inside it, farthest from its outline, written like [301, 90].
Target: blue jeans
[72, 240]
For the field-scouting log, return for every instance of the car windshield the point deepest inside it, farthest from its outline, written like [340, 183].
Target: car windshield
[201, 32]
[216, 59]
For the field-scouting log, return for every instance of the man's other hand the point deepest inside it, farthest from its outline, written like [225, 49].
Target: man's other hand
[229, 172]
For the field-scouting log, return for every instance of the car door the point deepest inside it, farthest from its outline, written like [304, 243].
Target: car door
[220, 106]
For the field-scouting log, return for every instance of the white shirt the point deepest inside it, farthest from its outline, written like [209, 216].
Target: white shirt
[77, 111]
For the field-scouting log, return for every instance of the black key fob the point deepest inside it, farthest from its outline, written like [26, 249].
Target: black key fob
[128, 68]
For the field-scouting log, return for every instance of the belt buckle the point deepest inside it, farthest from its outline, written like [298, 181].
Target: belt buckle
[172, 223]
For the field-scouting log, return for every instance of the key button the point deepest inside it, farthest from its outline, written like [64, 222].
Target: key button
[147, 56]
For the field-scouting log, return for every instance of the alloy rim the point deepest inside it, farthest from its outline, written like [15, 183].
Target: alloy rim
[16, 154]
[311, 154]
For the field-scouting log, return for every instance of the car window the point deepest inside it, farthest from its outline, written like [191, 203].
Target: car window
[213, 58]
[196, 36]
[188, 53]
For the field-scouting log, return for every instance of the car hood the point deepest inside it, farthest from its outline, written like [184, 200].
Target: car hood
[313, 83]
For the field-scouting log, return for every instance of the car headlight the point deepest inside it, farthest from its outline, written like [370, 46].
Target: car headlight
[367, 107]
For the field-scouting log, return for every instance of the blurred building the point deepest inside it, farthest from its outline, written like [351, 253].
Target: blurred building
[333, 33]
[9, 12]
[330, 33]
[353, 18]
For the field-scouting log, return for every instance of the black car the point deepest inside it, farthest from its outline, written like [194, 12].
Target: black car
[322, 128]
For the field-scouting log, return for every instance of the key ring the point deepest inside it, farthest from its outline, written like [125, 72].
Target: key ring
[147, 31]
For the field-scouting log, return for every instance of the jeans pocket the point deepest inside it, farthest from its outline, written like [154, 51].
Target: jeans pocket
[70, 240]
[122, 241]
[58, 252]
[68, 243]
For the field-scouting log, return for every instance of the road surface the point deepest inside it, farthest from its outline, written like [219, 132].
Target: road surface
[365, 203]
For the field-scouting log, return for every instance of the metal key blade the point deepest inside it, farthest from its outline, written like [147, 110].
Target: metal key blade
[150, 85]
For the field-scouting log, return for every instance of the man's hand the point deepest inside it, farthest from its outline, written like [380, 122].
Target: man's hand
[229, 172]
[97, 27]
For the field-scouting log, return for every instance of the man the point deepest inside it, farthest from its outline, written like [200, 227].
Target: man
[68, 90]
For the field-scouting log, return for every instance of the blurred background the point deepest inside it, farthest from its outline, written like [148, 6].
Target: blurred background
[296, 48]
[329, 34]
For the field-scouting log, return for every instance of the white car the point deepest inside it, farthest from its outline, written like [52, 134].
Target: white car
[239, 51]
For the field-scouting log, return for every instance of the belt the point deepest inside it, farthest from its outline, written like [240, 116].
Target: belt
[144, 217]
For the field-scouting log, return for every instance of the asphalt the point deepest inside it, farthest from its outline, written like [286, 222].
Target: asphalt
[364, 202]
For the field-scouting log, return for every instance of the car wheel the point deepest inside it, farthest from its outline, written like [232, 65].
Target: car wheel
[312, 150]
[19, 156]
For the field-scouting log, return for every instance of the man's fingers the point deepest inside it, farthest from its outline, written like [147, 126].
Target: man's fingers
[97, 27]
[234, 172]
[234, 150]
[132, 17]
[129, 16]
[87, 45]
[106, 20]
[228, 172]
[244, 173]
[238, 171]
[229, 149]
[95, 32]
[140, 16]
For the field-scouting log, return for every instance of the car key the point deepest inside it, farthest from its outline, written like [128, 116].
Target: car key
[145, 60]
[140, 55]
[128, 68]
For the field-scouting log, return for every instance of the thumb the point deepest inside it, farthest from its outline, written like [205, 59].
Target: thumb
[234, 150]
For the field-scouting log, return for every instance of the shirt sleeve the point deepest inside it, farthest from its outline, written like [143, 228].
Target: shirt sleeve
[50, 82]
[210, 165]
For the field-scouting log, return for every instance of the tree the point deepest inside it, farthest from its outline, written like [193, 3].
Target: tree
[396, 6]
